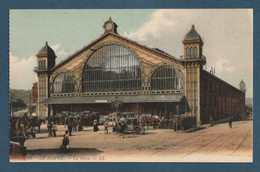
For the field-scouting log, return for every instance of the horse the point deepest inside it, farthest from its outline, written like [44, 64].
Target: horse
[108, 124]
[152, 121]
[36, 122]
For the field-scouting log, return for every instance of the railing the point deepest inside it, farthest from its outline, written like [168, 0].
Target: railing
[40, 69]
[189, 57]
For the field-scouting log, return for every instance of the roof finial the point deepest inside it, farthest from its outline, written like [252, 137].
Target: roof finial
[110, 18]
[46, 43]
[193, 27]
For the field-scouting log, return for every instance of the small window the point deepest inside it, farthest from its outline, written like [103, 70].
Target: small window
[195, 52]
[187, 53]
[42, 64]
[191, 52]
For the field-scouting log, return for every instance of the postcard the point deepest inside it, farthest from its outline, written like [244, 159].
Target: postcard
[131, 85]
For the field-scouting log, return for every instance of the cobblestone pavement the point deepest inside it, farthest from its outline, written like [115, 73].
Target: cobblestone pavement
[212, 144]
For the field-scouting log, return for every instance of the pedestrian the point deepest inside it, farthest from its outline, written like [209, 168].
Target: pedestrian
[21, 134]
[182, 128]
[95, 126]
[66, 122]
[106, 127]
[32, 132]
[80, 128]
[230, 122]
[211, 121]
[65, 141]
[50, 125]
[54, 129]
[174, 124]
[70, 126]
[122, 126]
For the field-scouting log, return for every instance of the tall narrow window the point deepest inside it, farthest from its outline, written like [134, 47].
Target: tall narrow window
[191, 52]
[64, 83]
[195, 52]
[43, 64]
[187, 53]
[40, 64]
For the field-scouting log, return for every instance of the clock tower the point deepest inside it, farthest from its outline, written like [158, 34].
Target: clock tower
[110, 26]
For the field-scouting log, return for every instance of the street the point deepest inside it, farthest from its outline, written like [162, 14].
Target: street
[219, 143]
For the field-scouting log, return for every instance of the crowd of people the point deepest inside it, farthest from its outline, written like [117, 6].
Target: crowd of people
[21, 128]
[52, 128]
[70, 125]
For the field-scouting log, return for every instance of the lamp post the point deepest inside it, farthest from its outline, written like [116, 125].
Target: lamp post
[177, 111]
[116, 103]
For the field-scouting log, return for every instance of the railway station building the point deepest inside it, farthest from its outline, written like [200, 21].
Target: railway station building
[146, 80]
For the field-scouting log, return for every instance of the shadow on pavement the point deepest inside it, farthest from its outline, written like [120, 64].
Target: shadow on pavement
[194, 129]
[42, 137]
[148, 133]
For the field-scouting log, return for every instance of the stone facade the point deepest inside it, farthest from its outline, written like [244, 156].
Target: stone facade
[191, 82]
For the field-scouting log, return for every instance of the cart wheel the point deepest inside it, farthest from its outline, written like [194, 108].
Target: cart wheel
[137, 130]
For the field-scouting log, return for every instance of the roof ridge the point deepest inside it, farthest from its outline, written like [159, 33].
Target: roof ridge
[117, 35]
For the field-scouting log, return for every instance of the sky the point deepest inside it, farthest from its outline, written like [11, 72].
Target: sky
[227, 36]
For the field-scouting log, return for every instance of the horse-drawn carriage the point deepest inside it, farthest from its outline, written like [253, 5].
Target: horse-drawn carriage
[150, 120]
[178, 122]
[125, 123]
[87, 118]
[170, 123]
[133, 126]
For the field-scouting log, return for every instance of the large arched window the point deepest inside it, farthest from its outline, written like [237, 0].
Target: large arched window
[166, 78]
[64, 83]
[112, 68]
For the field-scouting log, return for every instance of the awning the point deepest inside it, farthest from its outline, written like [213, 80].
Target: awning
[109, 99]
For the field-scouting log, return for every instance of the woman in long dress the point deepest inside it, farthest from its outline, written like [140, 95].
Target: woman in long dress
[95, 124]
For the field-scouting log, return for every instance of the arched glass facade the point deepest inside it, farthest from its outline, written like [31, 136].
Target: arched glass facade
[63, 83]
[112, 68]
[166, 78]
